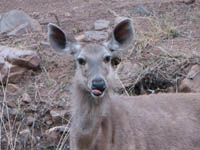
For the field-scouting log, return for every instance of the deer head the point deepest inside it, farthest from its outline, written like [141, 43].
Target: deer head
[95, 62]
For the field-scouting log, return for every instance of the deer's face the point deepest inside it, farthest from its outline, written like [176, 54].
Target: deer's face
[95, 62]
[94, 67]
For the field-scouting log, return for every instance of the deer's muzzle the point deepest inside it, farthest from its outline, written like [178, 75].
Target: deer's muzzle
[98, 87]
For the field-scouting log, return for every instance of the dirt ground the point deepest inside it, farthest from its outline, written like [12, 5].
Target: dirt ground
[173, 31]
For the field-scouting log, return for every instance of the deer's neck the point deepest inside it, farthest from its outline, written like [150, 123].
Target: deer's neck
[88, 117]
[86, 105]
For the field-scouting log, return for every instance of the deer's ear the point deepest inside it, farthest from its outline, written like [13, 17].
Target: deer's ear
[122, 35]
[60, 42]
[121, 38]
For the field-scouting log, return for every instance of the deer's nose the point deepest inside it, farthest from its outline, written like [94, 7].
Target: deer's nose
[99, 84]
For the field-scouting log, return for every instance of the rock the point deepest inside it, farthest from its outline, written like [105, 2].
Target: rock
[67, 14]
[192, 82]
[23, 58]
[11, 73]
[49, 122]
[11, 103]
[58, 115]
[101, 24]
[30, 120]
[14, 62]
[140, 9]
[32, 108]
[25, 135]
[26, 98]
[38, 138]
[12, 88]
[95, 36]
[60, 129]
[25, 132]
[80, 37]
[188, 2]
[15, 74]
[16, 22]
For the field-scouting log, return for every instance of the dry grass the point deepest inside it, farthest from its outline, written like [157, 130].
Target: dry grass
[159, 69]
[9, 130]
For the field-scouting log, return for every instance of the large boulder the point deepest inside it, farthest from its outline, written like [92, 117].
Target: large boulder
[14, 62]
[16, 22]
[192, 81]
[22, 58]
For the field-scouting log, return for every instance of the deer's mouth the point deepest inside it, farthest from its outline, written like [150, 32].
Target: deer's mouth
[97, 93]
[98, 87]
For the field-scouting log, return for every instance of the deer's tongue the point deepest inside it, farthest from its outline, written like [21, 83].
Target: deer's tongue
[96, 92]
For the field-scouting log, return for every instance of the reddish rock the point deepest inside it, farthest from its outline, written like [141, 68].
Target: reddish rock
[14, 62]
[23, 58]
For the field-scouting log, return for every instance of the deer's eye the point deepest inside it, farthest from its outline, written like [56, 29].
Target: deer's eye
[115, 61]
[81, 61]
[107, 59]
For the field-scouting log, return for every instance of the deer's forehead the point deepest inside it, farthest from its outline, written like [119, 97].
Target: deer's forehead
[94, 50]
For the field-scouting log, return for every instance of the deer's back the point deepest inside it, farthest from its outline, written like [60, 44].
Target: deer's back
[156, 122]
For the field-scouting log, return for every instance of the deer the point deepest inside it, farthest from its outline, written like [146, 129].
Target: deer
[103, 120]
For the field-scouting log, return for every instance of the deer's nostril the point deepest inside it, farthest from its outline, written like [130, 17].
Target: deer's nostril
[99, 84]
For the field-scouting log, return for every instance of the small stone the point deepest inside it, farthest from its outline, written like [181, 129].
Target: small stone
[80, 37]
[67, 14]
[189, 2]
[49, 122]
[30, 120]
[38, 138]
[140, 9]
[101, 24]
[95, 36]
[11, 103]
[25, 134]
[57, 115]
[12, 88]
[43, 43]
[31, 108]
[26, 98]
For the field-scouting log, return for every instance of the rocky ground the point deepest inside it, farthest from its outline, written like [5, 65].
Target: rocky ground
[36, 82]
